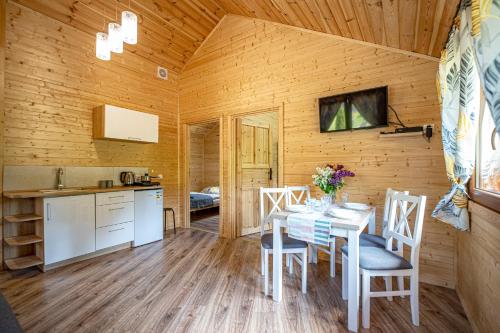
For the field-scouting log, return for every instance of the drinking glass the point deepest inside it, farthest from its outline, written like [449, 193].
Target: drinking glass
[345, 198]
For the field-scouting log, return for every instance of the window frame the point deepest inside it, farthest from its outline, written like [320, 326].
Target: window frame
[484, 198]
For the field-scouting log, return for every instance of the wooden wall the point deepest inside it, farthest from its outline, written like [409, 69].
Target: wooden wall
[248, 65]
[478, 271]
[2, 90]
[197, 162]
[211, 156]
[204, 156]
[53, 80]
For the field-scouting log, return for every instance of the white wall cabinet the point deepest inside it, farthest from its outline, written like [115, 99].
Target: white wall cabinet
[115, 123]
[69, 227]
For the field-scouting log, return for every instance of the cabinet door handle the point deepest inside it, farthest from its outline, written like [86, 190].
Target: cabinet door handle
[116, 208]
[117, 196]
[116, 229]
[49, 215]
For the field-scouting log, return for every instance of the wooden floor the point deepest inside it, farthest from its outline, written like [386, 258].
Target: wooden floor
[206, 220]
[195, 282]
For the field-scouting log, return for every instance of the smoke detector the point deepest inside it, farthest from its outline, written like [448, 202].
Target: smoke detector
[162, 73]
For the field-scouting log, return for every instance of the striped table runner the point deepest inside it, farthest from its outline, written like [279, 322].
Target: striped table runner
[310, 227]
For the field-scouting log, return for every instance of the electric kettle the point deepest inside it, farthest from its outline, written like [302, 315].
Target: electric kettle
[127, 178]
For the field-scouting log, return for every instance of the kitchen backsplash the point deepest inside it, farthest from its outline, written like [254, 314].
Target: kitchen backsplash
[17, 177]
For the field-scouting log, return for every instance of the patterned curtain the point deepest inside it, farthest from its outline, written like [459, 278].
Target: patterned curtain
[486, 33]
[459, 95]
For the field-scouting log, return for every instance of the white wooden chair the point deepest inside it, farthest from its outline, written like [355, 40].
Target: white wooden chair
[296, 195]
[293, 248]
[376, 261]
[368, 239]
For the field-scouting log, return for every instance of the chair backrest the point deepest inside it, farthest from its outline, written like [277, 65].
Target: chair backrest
[296, 195]
[275, 197]
[387, 208]
[398, 227]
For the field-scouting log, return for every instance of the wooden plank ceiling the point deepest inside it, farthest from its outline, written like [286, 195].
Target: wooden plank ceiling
[171, 31]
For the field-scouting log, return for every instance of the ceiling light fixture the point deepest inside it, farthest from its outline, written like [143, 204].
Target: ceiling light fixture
[115, 37]
[102, 50]
[129, 27]
[105, 43]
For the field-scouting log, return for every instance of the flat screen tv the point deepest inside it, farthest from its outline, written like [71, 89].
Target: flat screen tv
[352, 111]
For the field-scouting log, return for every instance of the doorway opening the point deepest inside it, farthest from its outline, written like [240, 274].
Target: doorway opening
[204, 176]
[256, 165]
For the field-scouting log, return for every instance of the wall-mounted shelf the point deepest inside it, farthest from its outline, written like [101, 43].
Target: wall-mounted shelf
[399, 135]
[22, 218]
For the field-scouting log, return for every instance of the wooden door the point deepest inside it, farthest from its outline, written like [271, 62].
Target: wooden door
[254, 170]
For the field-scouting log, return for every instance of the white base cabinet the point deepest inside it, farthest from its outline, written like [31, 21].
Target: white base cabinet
[69, 227]
[114, 235]
[114, 218]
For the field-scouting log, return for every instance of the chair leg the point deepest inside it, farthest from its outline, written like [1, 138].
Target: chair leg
[290, 263]
[332, 258]
[401, 284]
[304, 271]
[414, 298]
[344, 277]
[266, 272]
[365, 278]
[310, 248]
[388, 286]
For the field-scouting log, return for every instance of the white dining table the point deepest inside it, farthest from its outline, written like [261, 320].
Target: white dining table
[351, 229]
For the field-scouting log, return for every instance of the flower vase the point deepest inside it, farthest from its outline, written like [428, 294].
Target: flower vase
[327, 200]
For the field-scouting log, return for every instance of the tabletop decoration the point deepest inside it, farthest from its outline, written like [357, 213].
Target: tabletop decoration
[330, 179]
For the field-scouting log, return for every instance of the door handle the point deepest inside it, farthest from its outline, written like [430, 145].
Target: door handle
[49, 215]
[116, 229]
[110, 209]
[117, 196]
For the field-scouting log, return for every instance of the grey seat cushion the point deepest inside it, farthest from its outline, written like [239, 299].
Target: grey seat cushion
[372, 240]
[288, 243]
[376, 258]
[8, 321]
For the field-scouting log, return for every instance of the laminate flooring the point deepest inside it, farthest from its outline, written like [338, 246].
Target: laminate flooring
[195, 282]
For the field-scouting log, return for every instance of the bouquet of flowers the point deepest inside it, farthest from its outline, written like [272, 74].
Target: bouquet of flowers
[330, 179]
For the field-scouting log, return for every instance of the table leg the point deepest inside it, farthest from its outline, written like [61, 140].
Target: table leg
[353, 281]
[277, 260]
[371, 224]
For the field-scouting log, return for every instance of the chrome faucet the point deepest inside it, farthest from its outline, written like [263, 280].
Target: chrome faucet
[60, 173]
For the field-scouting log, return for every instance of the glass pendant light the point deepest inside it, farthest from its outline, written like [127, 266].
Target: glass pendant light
[115, 37]
[102, 50]
[129, 27]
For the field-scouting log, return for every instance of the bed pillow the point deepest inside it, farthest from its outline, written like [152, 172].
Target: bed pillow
[211, 190]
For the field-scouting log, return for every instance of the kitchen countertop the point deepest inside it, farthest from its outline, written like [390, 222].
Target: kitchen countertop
[24, 194]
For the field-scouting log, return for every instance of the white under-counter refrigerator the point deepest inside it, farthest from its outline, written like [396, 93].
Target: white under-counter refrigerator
[148, 211]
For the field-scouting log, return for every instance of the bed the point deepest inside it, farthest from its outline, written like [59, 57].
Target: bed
[208, 198]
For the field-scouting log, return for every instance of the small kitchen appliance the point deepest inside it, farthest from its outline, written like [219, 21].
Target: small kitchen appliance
[127, 178]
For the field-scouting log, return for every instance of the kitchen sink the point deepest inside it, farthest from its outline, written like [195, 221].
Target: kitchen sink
[63, 190]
